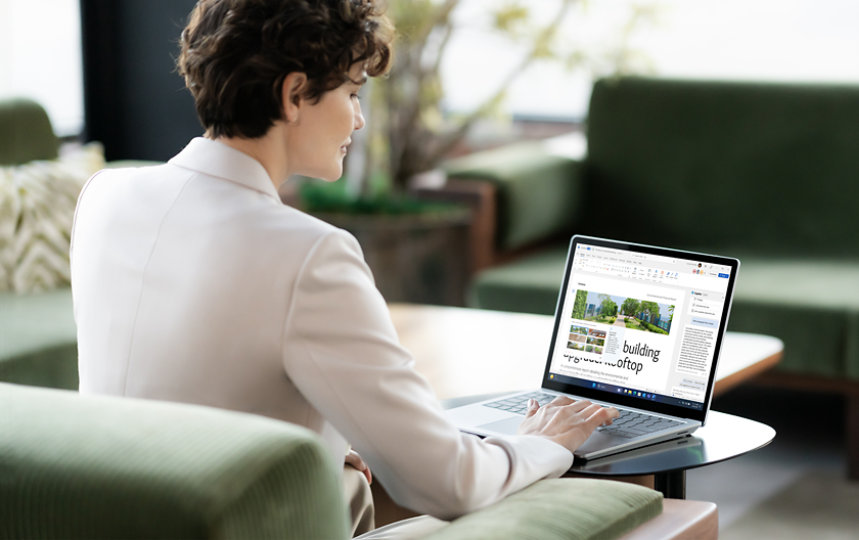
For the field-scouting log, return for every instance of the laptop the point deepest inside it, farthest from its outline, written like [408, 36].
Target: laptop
[636, 327]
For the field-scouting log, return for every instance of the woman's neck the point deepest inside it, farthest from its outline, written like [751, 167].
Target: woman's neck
[269, 150]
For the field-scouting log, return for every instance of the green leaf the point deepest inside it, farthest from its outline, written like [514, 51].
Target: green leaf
[511, 17]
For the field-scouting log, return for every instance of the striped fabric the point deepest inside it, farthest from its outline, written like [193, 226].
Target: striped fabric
[560, 509]
[37, 204]
[79, 466]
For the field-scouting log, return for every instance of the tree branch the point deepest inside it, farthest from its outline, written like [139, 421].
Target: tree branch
[543, 37]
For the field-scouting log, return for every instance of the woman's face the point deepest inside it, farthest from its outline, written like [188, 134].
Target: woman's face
[324, 129]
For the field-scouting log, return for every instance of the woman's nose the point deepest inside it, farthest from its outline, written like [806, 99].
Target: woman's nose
[359, 118]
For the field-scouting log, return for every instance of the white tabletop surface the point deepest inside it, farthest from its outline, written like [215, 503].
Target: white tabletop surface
[469, 351]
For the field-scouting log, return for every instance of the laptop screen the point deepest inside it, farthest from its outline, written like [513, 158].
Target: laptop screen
[640, 325]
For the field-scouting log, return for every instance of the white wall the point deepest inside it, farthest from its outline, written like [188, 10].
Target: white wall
[40, 58]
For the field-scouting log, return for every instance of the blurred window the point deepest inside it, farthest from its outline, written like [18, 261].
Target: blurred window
[787, 40]
[40, 58]
[791, 40]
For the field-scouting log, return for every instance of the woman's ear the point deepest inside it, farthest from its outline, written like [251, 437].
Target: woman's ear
[294, 85]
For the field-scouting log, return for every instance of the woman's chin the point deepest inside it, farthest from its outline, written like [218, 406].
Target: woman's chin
[331, 175]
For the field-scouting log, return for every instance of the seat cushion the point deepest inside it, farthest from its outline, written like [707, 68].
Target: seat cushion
[562, 508]
[526, 285]
[812, 305]
[100, 467]
[38, 341]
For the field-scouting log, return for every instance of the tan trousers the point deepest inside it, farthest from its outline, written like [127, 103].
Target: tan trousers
[359, 500]
[406, 529]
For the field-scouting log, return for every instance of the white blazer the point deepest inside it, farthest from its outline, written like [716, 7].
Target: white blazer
[192, 282]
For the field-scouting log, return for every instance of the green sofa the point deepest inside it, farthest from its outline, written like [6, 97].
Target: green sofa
[765, 172]
[92, 467]
[37, 331]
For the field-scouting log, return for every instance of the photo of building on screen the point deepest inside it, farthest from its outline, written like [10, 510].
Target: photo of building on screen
[631, 313]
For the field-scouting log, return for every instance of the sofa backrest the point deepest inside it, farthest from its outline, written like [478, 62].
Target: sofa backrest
[26, 133]
[750, 166]
[78, 466]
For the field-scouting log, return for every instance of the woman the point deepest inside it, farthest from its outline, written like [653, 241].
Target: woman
[192, 282]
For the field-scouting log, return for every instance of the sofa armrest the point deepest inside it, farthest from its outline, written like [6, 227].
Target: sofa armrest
[560, 508]
[80, 466]
[538, 191]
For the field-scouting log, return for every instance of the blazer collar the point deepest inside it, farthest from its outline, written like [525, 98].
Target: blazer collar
[214, 158]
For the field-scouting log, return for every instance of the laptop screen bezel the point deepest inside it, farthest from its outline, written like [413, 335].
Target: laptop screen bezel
[627, 400]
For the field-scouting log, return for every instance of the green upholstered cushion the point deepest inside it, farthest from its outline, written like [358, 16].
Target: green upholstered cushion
[25, 132]
[38, 341]
[96, 467]
[527, 285]
[812, 305]
[763, 166]
[562, 508]
[537, 191]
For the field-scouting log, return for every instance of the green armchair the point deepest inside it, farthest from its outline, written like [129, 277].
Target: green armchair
[38, 192]
[766, 172]
[76, 466]
[37, 332]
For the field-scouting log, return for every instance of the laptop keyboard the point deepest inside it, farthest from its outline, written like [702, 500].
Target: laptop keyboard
[633, 424]
[519, 404]
[628, 425]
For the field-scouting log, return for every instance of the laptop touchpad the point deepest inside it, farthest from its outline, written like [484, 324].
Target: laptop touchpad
[508, 426]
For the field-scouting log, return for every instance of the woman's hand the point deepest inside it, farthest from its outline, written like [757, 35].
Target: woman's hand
[566, 421]
[353, 459]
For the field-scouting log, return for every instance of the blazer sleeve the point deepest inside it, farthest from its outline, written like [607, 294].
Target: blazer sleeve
[342, 353]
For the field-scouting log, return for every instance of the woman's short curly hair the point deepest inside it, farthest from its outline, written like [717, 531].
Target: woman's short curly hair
[235, 55]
